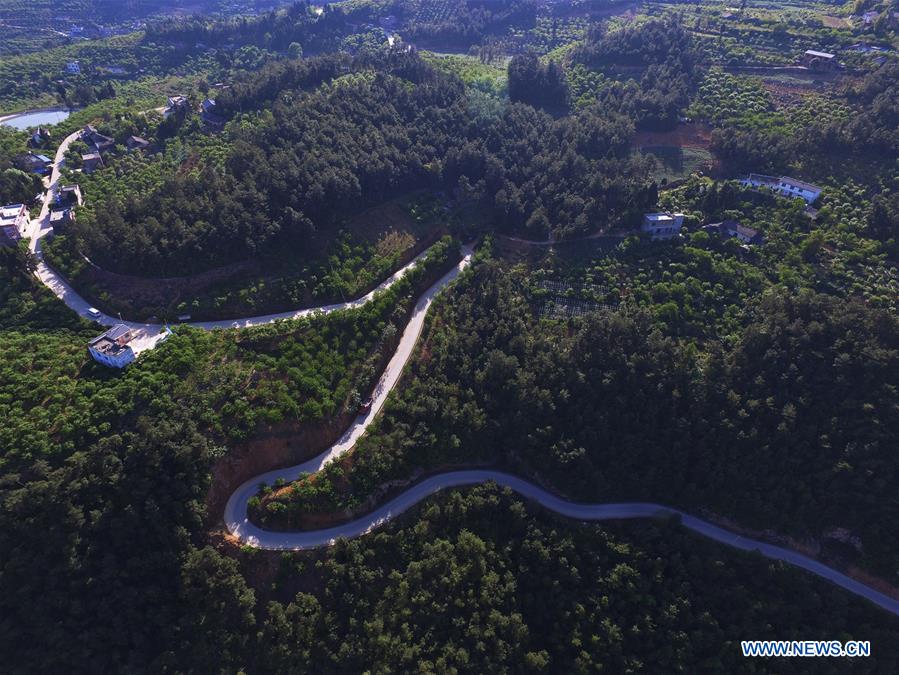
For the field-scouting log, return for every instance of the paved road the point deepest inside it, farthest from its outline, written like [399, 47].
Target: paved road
[152, 333]
[256, 536]
[238, 523]
[236, 510]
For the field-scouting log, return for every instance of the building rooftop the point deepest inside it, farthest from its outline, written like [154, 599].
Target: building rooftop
[734, 226]
[114, 341]
[661, 216]
[9, 215]
[801, 184]
[11, 210]
[820, 55]
[775, 181]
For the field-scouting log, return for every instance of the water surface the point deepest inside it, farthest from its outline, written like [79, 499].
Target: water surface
[35, 118]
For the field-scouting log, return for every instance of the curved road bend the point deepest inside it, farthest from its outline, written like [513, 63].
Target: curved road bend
[154, 331]
[236, 509]
[238, 523]
[251, 534]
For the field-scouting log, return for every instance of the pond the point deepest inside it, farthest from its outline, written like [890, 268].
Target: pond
[36, 117]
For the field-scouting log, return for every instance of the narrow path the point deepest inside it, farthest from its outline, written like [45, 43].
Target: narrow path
[236, 509]
[563, 242]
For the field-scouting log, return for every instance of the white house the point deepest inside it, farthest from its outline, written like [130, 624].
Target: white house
[791, 187]
[113, 348]
[662, 225]
[785, 186]
[14, 221]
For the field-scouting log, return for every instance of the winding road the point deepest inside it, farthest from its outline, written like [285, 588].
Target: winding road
[251, 534]
[155, 332]
[235, 516]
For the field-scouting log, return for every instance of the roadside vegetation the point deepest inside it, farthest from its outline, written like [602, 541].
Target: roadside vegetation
[755, 385]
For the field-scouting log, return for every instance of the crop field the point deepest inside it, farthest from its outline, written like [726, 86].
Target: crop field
[551, 33]
[487, 77]
[802, 111]
[730, 99]
[835, 22]
[434, 11]
[686, 135]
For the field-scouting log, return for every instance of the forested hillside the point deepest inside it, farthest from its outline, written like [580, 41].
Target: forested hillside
[788, 428]
[391, 125]
[257, 160]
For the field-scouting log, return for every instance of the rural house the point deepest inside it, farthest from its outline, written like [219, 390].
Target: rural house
[819, 61]
[663, 225]
[137, 143]
[785, 186]
[14, 221]
[34, 163]
[91, 162]
[177, 104]
[112, 348]
[732, 229]
[39, 137]
[208, 115]
[68, 196]
[60, 220]
[93, 137]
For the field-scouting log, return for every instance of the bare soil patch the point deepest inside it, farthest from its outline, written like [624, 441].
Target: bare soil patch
[689, 135]
[835, 22]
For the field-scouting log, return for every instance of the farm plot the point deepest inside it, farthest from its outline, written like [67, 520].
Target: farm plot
[725, 99]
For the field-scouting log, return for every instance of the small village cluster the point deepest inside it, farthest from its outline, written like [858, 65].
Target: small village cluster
[667, 225]
[15, 218]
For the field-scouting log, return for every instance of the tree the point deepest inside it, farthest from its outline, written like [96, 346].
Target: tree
[18, 186]
[217, 616]
[536, 84]
[18, 260]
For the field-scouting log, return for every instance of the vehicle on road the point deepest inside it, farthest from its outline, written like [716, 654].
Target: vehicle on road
[94, 313]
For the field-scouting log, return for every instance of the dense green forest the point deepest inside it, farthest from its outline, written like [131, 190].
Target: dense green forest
[800, 409]
[164, 600]
[755, 385]
[393, 124]
[233, 383]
